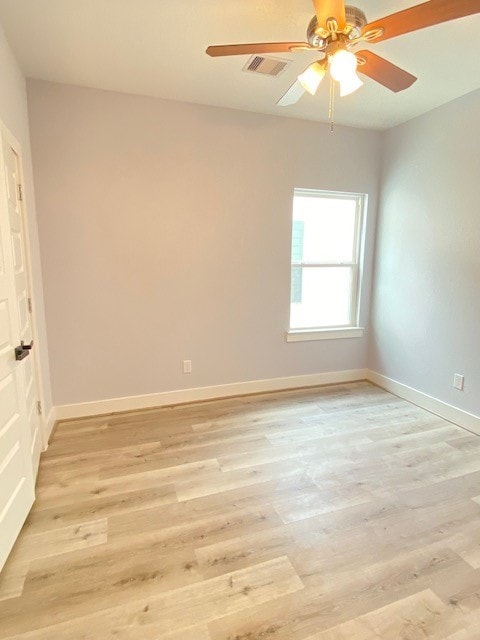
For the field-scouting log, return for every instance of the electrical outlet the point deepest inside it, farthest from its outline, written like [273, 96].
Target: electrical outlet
[458, 381]
[187, 366]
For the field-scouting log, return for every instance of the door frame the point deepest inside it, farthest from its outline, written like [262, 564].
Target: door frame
[10, 139]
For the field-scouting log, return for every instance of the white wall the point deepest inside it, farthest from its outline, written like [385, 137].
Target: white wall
[165, 235]
[426, 303]
[14, 114]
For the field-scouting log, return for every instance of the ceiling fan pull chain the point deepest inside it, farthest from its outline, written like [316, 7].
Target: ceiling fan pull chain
[331, 106]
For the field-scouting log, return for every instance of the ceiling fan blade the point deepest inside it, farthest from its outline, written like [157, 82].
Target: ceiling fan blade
[421, 16]
[384, 72]
[256, 47]
[292, 96]
[325, 9]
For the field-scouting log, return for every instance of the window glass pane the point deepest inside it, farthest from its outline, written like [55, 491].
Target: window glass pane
[297, 279]
[297, 240]
[328, 228]
[324, 299]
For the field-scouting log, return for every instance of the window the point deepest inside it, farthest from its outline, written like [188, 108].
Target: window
[326, 234]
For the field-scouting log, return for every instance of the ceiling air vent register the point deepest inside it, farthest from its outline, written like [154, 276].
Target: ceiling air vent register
[265, 66]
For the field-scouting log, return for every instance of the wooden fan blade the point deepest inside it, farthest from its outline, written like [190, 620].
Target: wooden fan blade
[325, 9]
[421, 16]
[257, 47]
[292, 96]
[384, 72]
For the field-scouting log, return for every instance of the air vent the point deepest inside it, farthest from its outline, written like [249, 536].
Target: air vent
[265, 66]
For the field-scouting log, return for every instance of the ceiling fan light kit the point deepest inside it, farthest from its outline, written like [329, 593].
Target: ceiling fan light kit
[336, 29]
[342, 65]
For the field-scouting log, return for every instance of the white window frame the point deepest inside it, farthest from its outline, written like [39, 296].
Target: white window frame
[352, 329]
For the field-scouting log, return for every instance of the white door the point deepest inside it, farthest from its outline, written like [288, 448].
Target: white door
[24, 305]
[19, 436]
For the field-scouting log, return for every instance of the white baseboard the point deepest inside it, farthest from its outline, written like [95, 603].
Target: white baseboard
[112, 405]
[438, 407]
[129, 403]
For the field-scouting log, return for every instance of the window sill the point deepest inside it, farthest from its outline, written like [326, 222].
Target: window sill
[303, 335]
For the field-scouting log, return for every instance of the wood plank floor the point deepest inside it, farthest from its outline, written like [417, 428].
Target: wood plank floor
[332, 513]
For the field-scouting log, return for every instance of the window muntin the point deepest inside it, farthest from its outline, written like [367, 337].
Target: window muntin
[326, 232]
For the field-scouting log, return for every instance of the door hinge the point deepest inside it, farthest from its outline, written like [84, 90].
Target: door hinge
[20, 192]
[39, 407]
[29, 302]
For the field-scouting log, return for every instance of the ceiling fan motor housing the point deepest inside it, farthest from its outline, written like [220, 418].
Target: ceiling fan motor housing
[314, 34]
[355, 19]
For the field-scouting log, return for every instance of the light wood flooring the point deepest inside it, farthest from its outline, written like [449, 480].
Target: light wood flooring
[332, 513]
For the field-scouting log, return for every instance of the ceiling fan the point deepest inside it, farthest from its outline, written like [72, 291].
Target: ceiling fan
[336, 29]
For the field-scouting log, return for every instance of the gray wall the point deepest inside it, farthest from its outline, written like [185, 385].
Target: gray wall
[426, 302]
[14, 114]
[165, 235]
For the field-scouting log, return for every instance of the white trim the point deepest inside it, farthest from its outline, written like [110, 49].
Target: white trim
[438, 407]
[303, 335]
[324, 193]
[165, 398]
[48, 426]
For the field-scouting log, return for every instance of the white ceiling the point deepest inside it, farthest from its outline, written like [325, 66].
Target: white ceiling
[157, 48]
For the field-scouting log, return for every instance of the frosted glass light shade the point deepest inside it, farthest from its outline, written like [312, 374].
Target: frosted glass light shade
[343, 69]
[342, 65]
[311, 78]
[350, 84]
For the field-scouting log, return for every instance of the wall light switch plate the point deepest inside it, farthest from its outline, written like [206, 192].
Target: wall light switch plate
[458, 381]
[187, 366]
